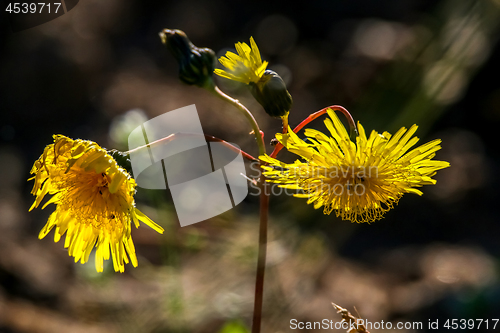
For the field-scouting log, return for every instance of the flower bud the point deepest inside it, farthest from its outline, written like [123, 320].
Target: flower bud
[196, 65]
[270, 91]
[122, 159]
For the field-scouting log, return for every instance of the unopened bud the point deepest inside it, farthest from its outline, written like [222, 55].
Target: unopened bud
[122, 159]
[272, 94]
[196, 65]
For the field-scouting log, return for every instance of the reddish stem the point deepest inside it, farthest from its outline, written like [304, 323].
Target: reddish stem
[315, 115]
[245, 154]
[261, 260]
[209, 138]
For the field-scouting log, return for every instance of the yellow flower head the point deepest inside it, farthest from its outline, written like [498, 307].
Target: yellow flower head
[94, 198]
[360, 181]
[246, 66]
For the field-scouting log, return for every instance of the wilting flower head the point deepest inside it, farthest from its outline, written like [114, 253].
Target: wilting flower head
[360, 181]
[246, 66]
[94, 198]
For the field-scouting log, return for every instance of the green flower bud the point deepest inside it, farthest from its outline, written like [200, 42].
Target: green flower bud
[122, 159]
[270, 91]
[196, 65]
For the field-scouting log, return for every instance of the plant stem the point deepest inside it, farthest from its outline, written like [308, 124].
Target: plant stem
[250, 118]
[261, 260]
[284, 120]
[312, 116]
[209, 138]
[264, 212]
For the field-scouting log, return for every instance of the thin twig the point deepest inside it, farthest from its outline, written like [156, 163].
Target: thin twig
[355, 324]
[209, 138]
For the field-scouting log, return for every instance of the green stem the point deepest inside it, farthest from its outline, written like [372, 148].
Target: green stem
[250, 118]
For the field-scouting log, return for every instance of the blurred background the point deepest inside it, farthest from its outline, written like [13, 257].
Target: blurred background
[100, 70]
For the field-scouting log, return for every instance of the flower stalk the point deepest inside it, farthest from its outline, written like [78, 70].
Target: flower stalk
[248, 115]
[208, 138]
[352, 125]
[263, 212]
[262, 254]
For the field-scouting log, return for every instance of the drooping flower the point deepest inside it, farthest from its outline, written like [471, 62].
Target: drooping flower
[246, 66]
[94, 199]
[360, 180]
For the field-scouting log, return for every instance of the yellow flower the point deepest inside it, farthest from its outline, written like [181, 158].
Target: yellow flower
[246, 66]
[94, 198]
[360, 181]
